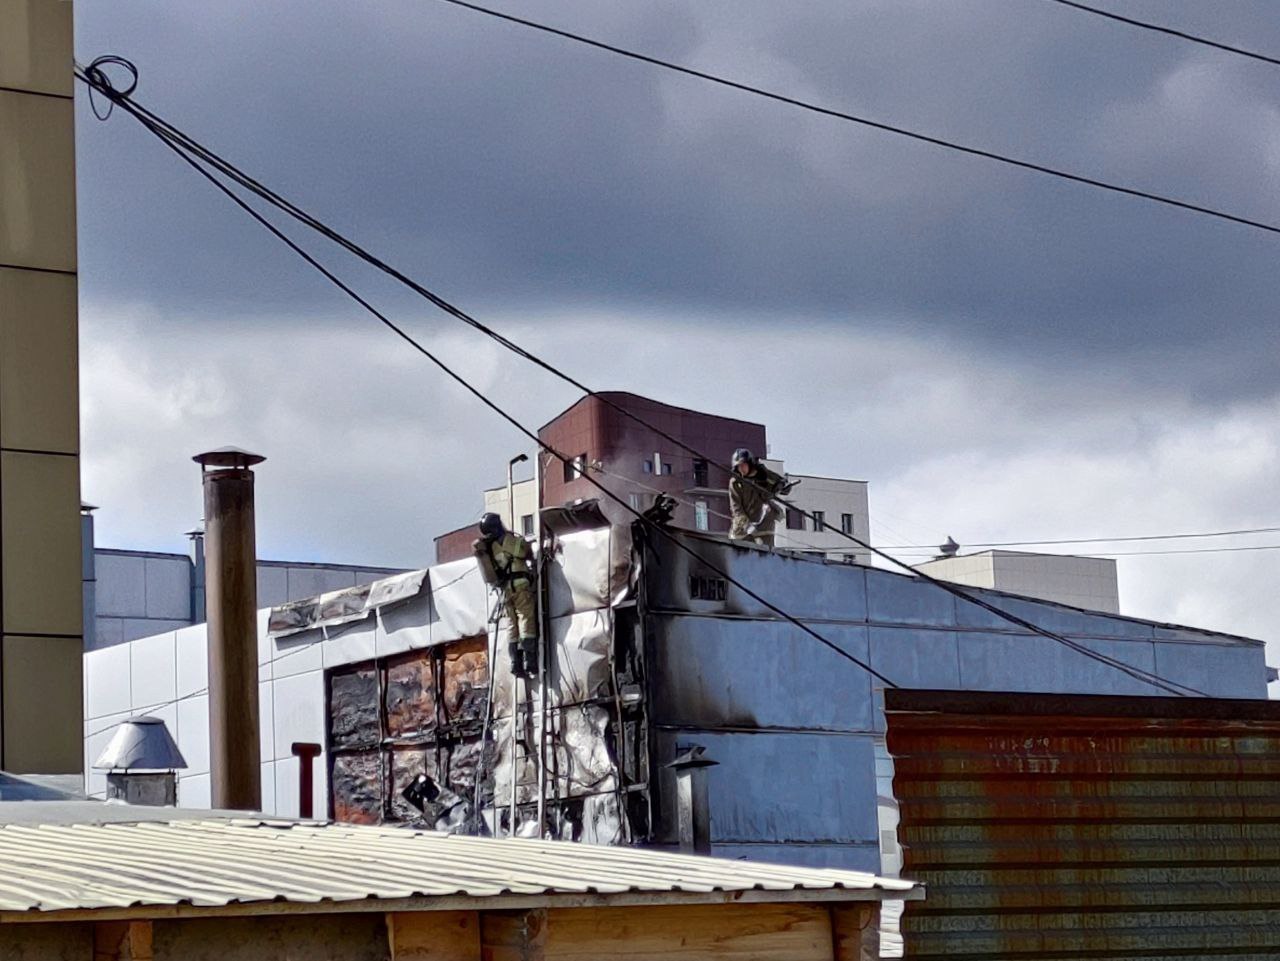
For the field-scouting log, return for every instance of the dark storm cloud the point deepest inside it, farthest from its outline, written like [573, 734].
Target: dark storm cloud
[514, 170]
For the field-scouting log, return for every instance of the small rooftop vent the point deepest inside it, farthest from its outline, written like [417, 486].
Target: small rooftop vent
[948, 549]
[693, 806]
[140, 760]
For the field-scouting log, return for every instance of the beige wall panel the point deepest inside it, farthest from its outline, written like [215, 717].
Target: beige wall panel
[39, 394]
[43, 717]
[703, 932]
[40, 535]
[37, 181]
[35, 45]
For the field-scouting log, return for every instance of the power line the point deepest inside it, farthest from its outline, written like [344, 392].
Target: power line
[1190, 550]
[875, 124]
[790, 535]
[178, 141]
[475, 392]
[1182, 35]
[1108, 540]
[183, 145]
[1200, 550]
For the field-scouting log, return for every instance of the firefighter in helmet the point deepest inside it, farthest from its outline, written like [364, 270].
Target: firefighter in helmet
[752, 489]
[511, 556]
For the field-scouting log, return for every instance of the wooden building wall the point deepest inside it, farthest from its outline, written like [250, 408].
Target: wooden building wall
[799, 931]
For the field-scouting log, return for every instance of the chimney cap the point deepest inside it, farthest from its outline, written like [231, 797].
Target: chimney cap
[87, 508]
[142, 743]
[228, 457]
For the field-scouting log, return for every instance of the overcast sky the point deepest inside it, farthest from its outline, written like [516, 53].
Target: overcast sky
[1001, 355]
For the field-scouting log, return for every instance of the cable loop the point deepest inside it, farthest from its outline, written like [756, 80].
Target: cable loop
[100, 82]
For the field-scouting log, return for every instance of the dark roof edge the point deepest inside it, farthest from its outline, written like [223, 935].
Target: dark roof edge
[1210, 635]
[496, 902]
[616, 394]
[1002, 703]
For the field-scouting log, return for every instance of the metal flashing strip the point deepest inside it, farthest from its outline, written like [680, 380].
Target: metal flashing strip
[345, 606]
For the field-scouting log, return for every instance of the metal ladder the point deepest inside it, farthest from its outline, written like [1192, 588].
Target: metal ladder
[529, 724]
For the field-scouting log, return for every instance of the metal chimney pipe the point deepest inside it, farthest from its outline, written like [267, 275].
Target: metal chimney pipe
[231, 603]
[693, 807]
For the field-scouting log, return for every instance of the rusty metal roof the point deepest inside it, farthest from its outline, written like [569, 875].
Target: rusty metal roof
[1056, 826]
[219, 863]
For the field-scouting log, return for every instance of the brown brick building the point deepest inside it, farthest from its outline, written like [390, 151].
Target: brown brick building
[634, 461]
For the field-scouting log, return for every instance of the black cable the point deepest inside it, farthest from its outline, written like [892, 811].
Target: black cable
[1169, 30]
[1099, 540]
[100, 80]
[1197, 550]
[475, 392]
[866, 122]
[174, 138]
[179, 141]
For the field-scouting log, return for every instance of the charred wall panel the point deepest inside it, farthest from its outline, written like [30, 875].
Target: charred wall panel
[1051, 827]
[393, 719]
[353, 708]
[411, 688]
[358, 787]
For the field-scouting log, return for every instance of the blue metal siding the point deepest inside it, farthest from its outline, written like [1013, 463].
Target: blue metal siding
[793, 725]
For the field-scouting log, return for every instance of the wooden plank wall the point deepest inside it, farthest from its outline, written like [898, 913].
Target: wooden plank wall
[712, 932]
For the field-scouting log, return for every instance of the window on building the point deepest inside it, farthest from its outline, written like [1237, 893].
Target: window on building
[819, 520]
[795, 520]
[706, 588]
[700, 516]
[846, 523]
[666, 468]
[648, 467]
[637, 502]
[526, 525]
[575, 467]
[700, 472]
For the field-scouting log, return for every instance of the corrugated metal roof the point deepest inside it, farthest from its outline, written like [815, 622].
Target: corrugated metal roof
[216, 862]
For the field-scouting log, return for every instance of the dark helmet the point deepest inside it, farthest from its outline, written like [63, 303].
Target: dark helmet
[491, 526]
[743, 456]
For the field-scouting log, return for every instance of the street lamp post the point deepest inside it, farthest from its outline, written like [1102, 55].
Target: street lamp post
[511, 488]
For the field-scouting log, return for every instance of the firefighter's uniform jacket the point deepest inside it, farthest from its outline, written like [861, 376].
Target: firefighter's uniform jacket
[511, 555]
[751, 503]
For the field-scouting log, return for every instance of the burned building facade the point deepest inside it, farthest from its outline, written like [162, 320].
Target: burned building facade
[651, 652]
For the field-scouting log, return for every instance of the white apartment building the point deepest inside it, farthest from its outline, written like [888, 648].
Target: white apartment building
[525, 495]
[842, 505]
[1085, 582]
[838, 506]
